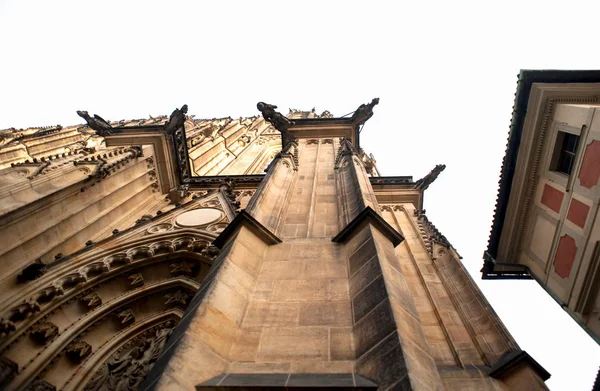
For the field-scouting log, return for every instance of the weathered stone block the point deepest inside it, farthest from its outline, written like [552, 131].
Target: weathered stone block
[341, 341]
[281, 270]
[325, 313]
[373, 327]
[271, 314]
[361, 256]
[293, 344]
[369, 298]
[384, 364]
[364, 276]
[246, 345]
[320, 366]
[259, 367]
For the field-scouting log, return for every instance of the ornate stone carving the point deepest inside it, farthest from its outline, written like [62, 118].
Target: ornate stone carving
[78, 350]
[179, 140]
[227, 189]
[40, 385]
[143, 219]
[92, 300]
[6, 326]
[181, 268]
[125, 317]
[24, 310]
[32, 272]
[177, 298]
[97, 123]
[179, 193]
[176, 120]
[43, 332]
[8, 370]
[136, 280]
[210, 251]
[429, 233]
[127, 368]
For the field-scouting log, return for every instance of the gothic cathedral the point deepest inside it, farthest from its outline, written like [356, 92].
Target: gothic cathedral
[175, 253]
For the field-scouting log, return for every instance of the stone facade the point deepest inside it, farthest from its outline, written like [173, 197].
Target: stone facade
[181, 253]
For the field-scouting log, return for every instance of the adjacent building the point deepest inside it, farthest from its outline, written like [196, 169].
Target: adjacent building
[546, 219]
[177, 253]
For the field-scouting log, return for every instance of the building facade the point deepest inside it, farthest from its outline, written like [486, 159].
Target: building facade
[182, 253]
[546, 221]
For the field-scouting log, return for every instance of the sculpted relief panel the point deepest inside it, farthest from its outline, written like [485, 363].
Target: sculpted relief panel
[127, 368]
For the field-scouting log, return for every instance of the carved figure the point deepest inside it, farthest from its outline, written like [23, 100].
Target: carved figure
[177, 297]
[136, 280]
[125, 317]
[364, 112]
[143, 219]
[126, 370]
[179, 193]
[176, 119]
[6, 326]
[40, 385]
[210, 251]
[43, 332]
[78, 350]
[8, 370]
[97, 123]
[24, 310]
[180, 268]
[278, 120]
[92, 300]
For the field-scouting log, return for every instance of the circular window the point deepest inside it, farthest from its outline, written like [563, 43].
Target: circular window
[198, 217]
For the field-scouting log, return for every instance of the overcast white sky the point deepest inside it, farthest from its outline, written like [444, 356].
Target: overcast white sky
[445, 73]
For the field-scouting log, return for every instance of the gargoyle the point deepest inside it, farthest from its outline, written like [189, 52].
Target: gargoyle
[364, 112]
[176, 120]
[278, 120]
[97, 123]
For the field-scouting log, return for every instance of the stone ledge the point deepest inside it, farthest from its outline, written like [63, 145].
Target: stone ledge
[371, 217]
[287, 381]
[511, 360]
[245, 219]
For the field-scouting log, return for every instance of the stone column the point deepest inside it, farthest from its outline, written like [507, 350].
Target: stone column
[390, 344]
